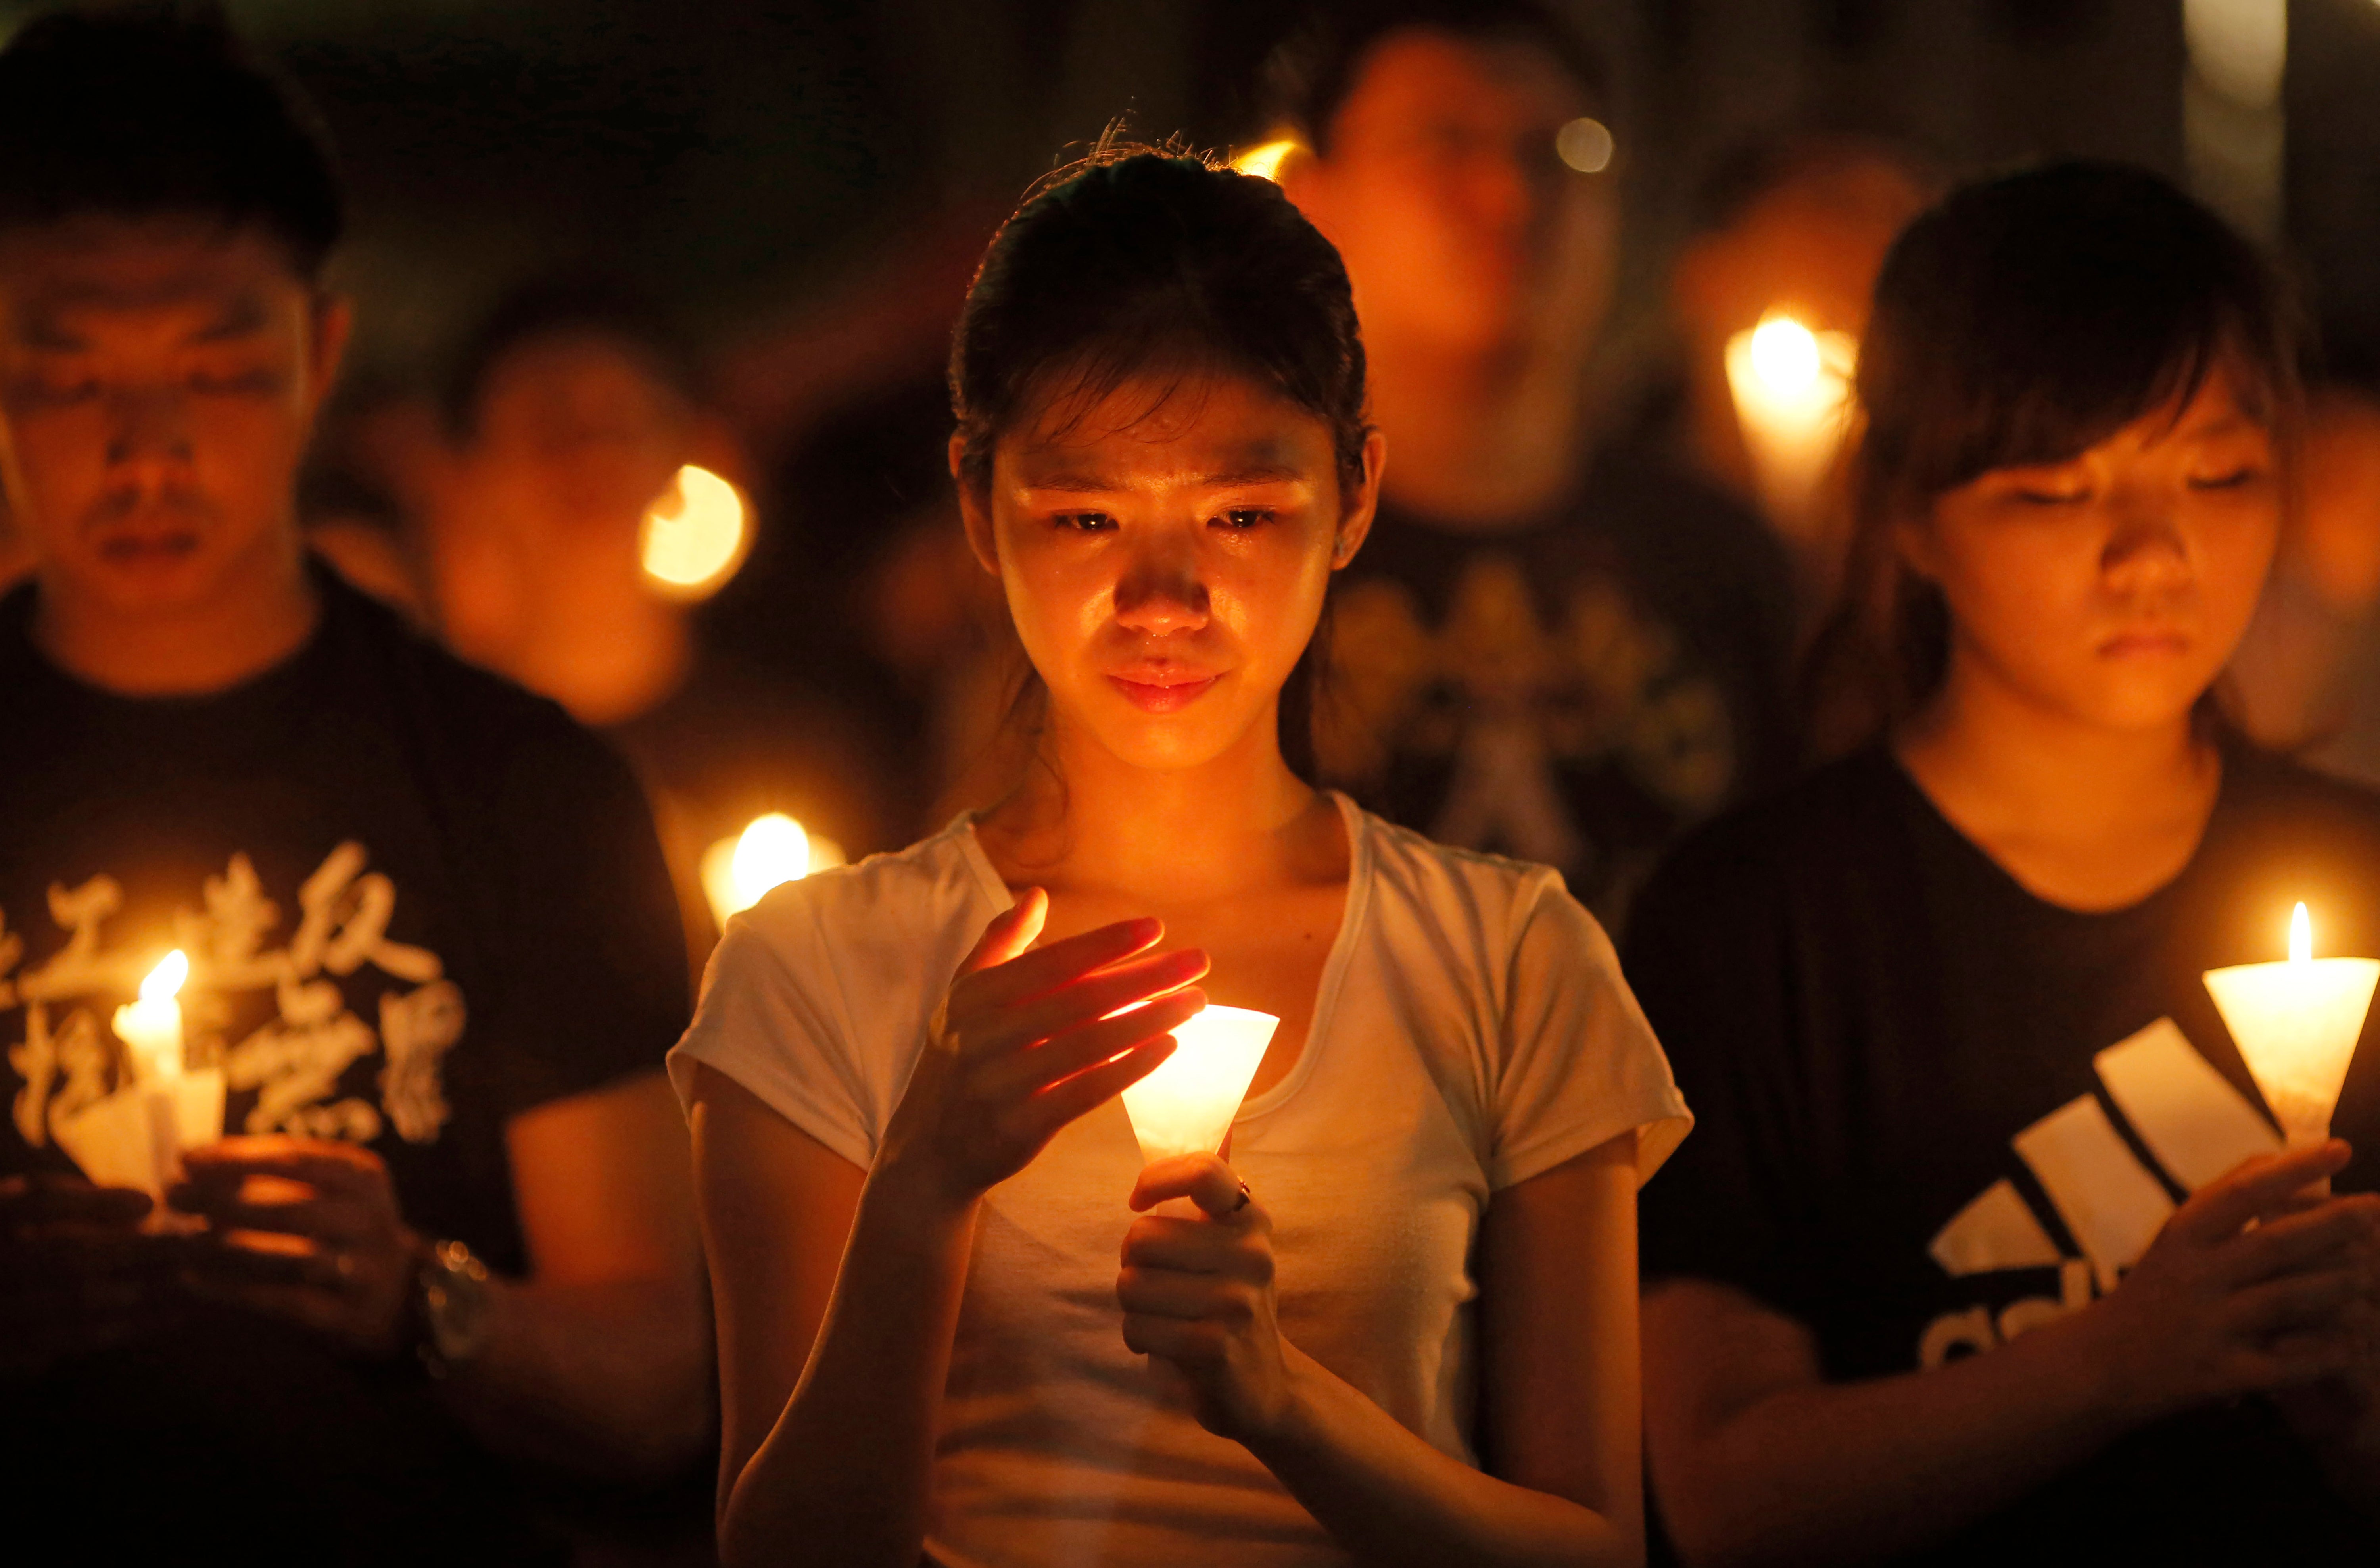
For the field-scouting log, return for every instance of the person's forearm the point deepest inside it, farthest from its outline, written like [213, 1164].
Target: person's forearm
[1845, 1473]
[844, 1476]
[1390, 1498]
[611, 1379]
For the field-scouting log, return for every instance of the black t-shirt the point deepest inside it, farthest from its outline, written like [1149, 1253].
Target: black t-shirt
[417, 900]
[1912, 1135]
[1575, 691]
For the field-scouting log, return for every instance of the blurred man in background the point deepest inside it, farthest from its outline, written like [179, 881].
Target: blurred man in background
[571, 409]
[1542, 651]
[433, 961]
[576, 427]
[2307, 676]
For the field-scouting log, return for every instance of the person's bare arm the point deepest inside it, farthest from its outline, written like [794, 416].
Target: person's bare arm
[598, 1360]
[595, 1362]
[1558, 1321]
[1756, 1459]
[779, 1212]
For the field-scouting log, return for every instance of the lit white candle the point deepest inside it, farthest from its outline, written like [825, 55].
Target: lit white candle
[2296, 1023]
[1187, 1105]
[1792, 388]
[152, 1029]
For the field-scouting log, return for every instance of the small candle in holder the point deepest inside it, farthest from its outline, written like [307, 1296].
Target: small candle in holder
[1792, 388]
[1187, 1105]
[2296, 1023]
[152, 1029]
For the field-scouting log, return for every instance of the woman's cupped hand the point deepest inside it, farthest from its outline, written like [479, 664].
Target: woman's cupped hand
[1198, 1294]
[1027, 1042]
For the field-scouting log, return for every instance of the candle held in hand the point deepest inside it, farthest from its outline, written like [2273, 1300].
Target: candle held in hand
[135, 1136]
[152, 1029]
[1187, 1105]
[2296, 1024]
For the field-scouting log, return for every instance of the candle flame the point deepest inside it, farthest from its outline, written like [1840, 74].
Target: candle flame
[775, 849]
[1265, 158]
[1785, 354]
[2300, 937]
[164, 981]
[736, 872]
[695, 535]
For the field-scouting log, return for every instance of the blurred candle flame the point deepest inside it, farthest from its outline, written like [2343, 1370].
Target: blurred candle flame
[775, 849]
[695, 535]
[2300, 937]
[151, 1028]
[164, 981]
[1793, 390]
[1265, 158]
[1785, 355]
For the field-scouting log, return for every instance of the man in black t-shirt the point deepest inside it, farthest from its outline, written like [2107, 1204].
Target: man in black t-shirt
[433, 961]
[1935, 1112]
[1562, 657]
[1577, 688]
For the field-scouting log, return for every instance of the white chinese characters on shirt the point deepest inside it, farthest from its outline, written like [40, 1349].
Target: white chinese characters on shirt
[293, 1062]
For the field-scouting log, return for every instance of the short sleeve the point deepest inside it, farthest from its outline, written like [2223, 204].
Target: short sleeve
[1580, 1066]
[1707, 964]
[763, 1022]
[594, 982]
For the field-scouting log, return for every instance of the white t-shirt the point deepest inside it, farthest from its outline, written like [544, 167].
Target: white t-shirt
[1472, 1029]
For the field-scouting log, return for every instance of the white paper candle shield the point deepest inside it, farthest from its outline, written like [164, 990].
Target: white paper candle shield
[1187, 1105]
[117, 1141]
[2296, 1024]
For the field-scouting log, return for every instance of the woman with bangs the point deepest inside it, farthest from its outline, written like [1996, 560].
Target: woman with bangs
[1983, 1251]
[1398, 1326]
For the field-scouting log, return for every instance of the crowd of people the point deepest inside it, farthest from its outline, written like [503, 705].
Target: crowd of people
[1741, 1089]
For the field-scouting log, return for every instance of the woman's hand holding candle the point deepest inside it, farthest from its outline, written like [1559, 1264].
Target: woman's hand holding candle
[307, 1230]
[1026, 1042]
[1198, 1294]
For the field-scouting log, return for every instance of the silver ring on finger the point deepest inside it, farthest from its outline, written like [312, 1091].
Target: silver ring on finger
[1245, 1198]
